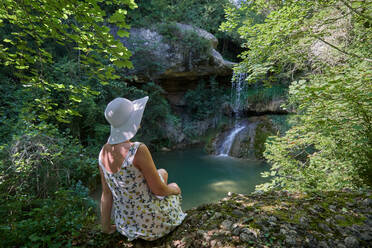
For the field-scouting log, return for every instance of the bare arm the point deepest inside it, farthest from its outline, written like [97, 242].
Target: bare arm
[106, 206]
[144, 162]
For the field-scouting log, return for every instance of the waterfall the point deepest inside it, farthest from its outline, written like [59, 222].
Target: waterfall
[236, 99]
[236, 92]
[227, 144]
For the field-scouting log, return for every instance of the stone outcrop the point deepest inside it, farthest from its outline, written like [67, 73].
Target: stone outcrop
[162, 59]
[249, 142]
[265, 219]
[169, 60]
[273, 106]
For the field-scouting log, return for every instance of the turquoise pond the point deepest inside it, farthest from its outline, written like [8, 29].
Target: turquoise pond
[204, 178]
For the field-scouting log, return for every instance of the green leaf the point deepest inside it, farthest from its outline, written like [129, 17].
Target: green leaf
[123, 63]
[123, 33]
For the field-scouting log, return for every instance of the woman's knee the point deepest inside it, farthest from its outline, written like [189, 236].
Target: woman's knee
[164, 174]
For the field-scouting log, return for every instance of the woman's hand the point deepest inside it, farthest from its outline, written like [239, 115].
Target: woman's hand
[109, 230]
[144, 162]
[176, 189]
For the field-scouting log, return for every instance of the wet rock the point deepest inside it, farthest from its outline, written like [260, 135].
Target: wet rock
[245, 237]
[226, 224]
[237, 212]
[351, 242]
[217, 215]
[236, 231]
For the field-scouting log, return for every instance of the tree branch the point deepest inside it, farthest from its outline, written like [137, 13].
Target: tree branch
[342, 51]
[355, 11]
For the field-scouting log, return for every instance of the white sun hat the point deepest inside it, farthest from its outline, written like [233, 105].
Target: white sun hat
[124, 117]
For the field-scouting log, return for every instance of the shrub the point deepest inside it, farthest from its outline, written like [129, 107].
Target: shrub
[40, 161]
[206, 100]
[51, 222]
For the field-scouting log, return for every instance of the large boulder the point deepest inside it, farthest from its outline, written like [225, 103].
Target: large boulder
[170, 51]
[272, 106]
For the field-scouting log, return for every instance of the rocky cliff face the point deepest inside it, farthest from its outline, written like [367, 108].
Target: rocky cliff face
[176, 58]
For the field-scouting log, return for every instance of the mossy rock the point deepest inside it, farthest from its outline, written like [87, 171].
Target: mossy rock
[264, 129]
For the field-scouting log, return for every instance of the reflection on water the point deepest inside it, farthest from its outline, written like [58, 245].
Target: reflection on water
[204, 178]
[222, 186]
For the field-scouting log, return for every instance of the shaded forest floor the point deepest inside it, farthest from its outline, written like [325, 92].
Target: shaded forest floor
[270, 219]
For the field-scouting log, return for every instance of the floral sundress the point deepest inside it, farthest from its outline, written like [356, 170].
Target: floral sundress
[138, 212]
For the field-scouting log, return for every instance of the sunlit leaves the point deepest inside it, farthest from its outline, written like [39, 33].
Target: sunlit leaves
[330, 147]
[79, 25]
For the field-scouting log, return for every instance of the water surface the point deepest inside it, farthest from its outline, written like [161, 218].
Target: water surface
[204, 178]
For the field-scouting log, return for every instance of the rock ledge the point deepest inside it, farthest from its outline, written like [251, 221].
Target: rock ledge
[270, 219]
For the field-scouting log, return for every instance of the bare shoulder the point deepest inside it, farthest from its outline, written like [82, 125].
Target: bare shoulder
[103, 151]
[142, 151]
[142, 155]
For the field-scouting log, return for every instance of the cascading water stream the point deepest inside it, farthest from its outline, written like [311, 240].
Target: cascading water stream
[236, 95]
[226, 146]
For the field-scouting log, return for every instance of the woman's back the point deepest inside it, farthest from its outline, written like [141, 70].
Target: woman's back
[138, 212]
[112, 156]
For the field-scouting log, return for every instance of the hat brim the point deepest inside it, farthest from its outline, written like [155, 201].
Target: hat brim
[129, 129]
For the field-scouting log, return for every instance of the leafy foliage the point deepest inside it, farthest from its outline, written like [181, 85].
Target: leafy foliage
[205, 100]
[55, 55]
[329, 146]
[40, 161]
[51, 222]
[201, 13]
[28, 29]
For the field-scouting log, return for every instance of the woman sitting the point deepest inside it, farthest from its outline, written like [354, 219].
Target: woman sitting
[145, 206]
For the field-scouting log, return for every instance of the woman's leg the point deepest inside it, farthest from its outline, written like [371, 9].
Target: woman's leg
[164, 175]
